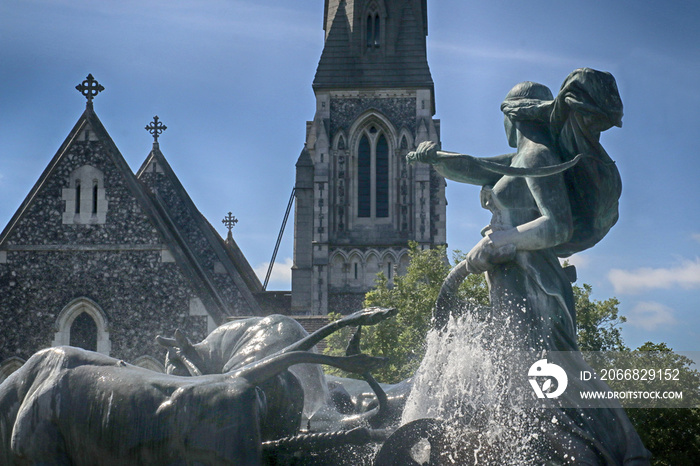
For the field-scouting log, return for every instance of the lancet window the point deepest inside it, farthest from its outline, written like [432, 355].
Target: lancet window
[373, 174]
[373, 27]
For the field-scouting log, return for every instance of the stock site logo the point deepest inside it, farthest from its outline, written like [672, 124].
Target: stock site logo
[547, 371]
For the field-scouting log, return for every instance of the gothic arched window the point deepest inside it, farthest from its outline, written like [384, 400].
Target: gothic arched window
[77, 196]
[373, 30]
[84, 324]
[9, 366]
[364, 178]
[382, 175]
[83, 332]
[373, 174]
[373, 25]
[150, 363]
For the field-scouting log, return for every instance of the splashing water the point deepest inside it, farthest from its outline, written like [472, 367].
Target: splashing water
[466, 380]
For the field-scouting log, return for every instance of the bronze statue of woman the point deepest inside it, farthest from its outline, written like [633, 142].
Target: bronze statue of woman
[555, 196]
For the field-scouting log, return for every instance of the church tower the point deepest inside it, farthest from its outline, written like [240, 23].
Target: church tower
[358, 204]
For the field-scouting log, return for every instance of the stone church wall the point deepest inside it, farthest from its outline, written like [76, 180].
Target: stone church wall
[119, 265]
[140, 295]
[400, 111]
[42, 223]
[194, 237]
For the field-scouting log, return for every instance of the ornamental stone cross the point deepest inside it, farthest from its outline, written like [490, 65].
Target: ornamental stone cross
[90, 88]
[155, 128]
[230, 221]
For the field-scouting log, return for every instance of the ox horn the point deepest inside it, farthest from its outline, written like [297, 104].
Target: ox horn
[268, 367]
[298, 352]
[367, 316]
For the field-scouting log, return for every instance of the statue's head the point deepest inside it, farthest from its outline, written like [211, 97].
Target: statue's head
[529, 90]
[524, 102]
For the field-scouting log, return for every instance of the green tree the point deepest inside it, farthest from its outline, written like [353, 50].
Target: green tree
[671, 434]
[414, 293]
[402, 339]
[598, 322]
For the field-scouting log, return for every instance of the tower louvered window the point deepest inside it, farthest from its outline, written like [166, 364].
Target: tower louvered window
[373, 30]
[373, 25]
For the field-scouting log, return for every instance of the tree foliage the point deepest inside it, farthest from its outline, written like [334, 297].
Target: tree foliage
[402, 339]
[598, 322]
[671, 434]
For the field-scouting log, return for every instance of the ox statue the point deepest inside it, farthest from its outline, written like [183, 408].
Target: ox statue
[237, 343]
[72, 406]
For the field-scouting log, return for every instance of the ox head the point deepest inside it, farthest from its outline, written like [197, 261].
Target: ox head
[182, 357]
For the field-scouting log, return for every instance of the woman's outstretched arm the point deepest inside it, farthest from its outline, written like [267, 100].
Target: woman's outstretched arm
[458, 167]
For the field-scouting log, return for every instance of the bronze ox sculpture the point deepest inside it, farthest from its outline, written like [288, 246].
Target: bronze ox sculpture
[236, 344]
[71, 406]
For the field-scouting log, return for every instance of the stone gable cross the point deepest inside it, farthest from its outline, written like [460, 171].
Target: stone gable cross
[155, 128]
[230, 221]
[90, 88]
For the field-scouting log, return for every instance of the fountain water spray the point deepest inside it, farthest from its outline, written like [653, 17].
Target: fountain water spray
[470, 379]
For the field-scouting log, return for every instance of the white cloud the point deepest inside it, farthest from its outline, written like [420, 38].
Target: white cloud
[686, 275]
[649, 315]
[281, 274]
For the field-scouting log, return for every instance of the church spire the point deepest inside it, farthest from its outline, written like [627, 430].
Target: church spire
[374, 44]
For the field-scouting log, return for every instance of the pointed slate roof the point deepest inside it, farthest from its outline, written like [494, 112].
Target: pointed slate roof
[401, 61]
[199, 237]
[190, 265]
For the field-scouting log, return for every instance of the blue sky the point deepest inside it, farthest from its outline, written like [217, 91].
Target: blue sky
[232, 81]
